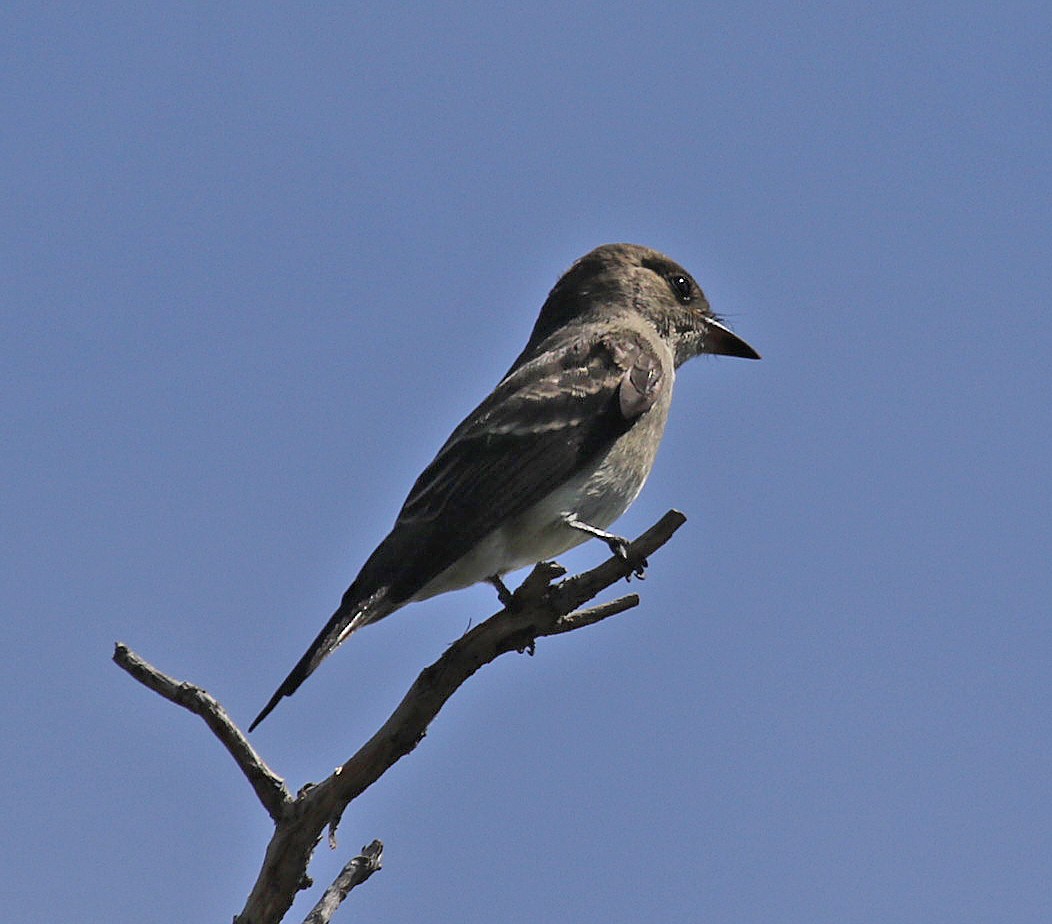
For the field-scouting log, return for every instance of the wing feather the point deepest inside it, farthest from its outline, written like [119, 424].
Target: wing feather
[544, 422]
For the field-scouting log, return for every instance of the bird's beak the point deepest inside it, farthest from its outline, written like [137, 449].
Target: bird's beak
[724, 342]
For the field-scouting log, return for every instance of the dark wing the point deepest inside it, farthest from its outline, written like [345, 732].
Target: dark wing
[540, 426]
[544, 422]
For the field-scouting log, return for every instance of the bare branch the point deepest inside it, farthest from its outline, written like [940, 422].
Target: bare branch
[578, 619]
[537, 609]
[353, 874]
[269, 787]
[517, 629]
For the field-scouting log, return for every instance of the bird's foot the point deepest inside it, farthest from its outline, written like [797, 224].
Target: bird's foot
[622, 548]
[619, 545]
[532, 589]
[504, 595]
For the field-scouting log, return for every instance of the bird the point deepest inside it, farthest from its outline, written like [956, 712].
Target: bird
[554, 454]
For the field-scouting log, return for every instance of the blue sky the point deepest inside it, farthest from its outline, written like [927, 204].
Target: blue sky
[259, 259]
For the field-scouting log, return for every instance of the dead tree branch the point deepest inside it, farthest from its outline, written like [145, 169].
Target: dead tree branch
[353, 874]
[538, 609]
[269, 787]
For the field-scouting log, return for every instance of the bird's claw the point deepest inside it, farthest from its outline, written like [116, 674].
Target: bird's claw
[504, 595]
[532, 589]
[622, 548]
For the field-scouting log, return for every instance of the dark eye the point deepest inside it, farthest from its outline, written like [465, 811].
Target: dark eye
[682, 286]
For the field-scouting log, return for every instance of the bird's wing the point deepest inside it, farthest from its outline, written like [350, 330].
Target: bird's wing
[541, 425]
[544, 421]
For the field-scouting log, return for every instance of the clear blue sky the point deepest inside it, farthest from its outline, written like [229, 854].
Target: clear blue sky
[258, 259]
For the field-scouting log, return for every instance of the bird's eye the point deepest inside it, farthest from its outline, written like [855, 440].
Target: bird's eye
[681, 285]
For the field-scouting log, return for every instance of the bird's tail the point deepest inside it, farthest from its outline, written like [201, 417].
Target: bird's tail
[352, 614]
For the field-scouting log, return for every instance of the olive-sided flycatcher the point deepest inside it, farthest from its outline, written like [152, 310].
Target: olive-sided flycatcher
[555, 454]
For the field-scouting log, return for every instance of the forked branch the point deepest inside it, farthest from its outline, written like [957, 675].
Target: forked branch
[538, 609]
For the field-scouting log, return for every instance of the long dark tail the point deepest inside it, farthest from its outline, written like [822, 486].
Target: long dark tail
[349, 617]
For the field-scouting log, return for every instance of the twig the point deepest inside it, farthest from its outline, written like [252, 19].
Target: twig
[353, 874]
[268, 786]
[578, 619]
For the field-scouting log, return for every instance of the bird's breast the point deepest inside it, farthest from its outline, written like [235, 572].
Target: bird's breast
[597, 495]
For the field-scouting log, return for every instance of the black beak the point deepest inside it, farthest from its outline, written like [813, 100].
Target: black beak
[724, 342]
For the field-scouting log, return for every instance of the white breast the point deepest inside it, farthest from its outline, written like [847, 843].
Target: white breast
[596, 496]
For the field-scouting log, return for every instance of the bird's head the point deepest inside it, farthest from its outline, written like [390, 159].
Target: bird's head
[623, 278]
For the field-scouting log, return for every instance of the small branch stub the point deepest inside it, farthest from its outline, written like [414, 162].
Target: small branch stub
[353, 874]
